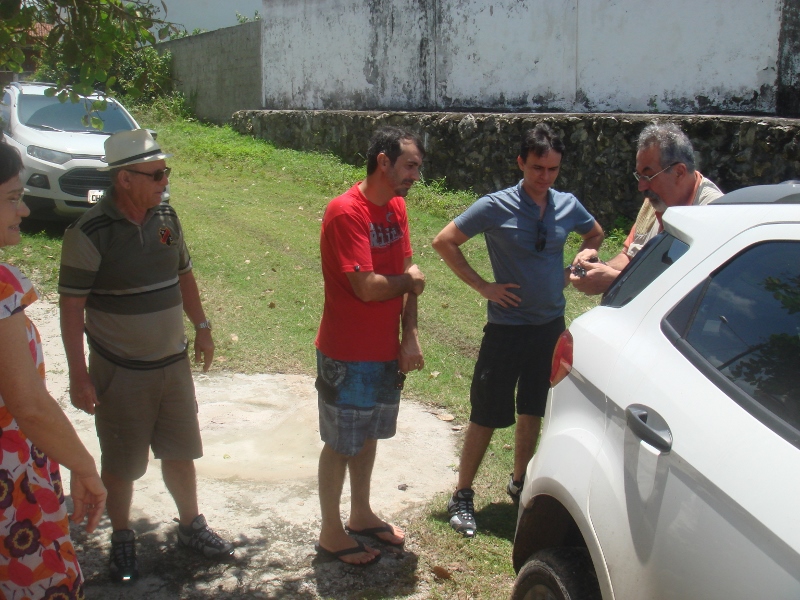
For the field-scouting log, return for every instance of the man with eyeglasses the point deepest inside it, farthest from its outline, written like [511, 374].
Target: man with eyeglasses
[665, 170]
[525, 228]
[126, 280]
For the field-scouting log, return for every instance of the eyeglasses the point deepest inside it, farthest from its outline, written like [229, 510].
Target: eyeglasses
[17, 201]
[156, 175]
[639, 177]
[541, 235]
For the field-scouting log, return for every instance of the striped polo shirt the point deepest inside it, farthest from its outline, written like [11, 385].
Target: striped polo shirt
[129, 276]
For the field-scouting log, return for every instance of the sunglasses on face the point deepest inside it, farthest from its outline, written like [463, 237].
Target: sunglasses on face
[156, 175]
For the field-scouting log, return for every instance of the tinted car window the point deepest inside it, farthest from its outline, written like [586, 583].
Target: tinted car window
[744, 323]
[44, 112]
[650, 262]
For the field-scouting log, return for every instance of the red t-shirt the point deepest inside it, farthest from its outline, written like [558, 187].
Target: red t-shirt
[358, 235]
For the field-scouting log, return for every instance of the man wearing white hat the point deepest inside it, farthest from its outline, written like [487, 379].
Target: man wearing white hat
[126, 279]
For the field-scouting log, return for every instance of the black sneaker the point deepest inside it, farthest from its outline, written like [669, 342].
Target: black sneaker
[122, 562]
[462, 512]
[514, 488]
[202, 539]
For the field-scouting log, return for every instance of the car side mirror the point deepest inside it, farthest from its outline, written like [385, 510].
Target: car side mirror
[152, 132]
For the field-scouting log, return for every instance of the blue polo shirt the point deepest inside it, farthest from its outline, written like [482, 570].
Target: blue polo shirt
[508, 221]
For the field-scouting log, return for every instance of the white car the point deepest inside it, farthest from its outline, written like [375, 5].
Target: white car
[60, 154]
[669, 463]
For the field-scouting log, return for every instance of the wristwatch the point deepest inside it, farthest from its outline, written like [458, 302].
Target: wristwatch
[204, 325]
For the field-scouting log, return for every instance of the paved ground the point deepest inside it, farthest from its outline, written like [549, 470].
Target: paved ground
[257, 485]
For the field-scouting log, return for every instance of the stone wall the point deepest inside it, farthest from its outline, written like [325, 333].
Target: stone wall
[478, 151]
[218, 71]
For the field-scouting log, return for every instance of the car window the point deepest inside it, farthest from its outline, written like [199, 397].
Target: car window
[48, 113]
[742, 324]
[651, 261]
[5, 112]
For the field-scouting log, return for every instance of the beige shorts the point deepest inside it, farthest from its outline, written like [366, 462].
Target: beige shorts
[143, 409]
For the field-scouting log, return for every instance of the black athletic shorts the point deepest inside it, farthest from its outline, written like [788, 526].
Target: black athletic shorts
[513, 357]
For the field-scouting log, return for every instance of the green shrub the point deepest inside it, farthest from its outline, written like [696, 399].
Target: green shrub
[142, 75]
[163, 109]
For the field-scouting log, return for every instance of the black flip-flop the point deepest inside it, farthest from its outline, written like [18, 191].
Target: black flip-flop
[325, 553]
[372, 532]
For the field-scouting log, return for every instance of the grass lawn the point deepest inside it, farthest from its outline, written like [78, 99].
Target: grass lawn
[252, 214]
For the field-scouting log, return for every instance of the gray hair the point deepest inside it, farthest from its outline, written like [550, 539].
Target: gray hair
[672, 143]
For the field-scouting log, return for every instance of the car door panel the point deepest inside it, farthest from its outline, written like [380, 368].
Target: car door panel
[702, 519]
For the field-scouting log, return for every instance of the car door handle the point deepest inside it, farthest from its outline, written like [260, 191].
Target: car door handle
[650, 426]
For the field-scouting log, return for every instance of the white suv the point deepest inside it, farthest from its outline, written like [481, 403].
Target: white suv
[61, 155]
[669, 464]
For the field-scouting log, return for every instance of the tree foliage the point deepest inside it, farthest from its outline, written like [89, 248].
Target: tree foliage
[83, 38]
[141, 76]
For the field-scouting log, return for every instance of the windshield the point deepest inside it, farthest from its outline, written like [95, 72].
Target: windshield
[48, 113]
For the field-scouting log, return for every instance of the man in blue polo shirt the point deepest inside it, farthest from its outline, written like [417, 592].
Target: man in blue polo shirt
[525, 227]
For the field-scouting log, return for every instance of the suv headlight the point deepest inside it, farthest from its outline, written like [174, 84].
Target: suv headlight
[53, 156]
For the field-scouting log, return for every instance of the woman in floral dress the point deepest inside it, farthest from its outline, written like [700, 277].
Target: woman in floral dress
[37, 558]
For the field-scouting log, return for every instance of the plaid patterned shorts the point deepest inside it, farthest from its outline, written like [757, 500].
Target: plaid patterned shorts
[357, 401]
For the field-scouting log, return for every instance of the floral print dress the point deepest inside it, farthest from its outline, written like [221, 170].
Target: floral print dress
[37, 558]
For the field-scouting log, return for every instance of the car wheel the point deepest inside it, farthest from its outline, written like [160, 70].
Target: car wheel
[557, 574]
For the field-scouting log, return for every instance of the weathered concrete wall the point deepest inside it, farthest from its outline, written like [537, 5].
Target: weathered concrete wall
[478, 151]
[788, 94]
[507, 55]
[519, 55]
[679, 56]
[219, 71]
[346, 54]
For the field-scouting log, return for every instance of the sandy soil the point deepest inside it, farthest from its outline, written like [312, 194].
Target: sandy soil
[257, 486]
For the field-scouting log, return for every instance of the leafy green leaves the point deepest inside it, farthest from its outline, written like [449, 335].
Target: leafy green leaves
[82, 42]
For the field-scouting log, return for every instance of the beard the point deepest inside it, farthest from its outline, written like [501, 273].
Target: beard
[656, 202]
[403, 189]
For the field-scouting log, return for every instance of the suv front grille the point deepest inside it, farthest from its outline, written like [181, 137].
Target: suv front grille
[78, 182]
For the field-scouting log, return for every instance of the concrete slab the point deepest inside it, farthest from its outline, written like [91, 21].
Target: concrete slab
[257, 485]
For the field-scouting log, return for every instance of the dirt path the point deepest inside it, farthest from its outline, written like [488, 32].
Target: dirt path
[257, 485]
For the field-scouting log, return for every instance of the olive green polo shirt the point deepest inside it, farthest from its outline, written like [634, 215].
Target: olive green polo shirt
[129, 274]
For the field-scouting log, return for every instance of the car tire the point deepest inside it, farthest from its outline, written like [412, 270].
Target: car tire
[557, 574]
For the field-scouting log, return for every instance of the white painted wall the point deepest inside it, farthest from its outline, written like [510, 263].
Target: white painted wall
[334, 53]
[209, 14]
[507, 54]
[639, 56]
[574, 55]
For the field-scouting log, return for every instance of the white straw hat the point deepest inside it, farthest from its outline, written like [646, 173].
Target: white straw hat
[130, 148]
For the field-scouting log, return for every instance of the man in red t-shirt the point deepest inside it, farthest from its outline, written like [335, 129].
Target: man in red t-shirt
[371, 287]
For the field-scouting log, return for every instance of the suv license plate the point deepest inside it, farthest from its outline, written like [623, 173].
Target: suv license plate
[92, 196]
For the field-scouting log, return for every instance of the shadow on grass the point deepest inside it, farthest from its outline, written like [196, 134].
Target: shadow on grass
[498, 519]
[50, 229]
